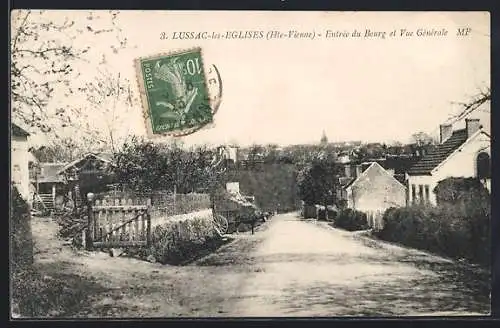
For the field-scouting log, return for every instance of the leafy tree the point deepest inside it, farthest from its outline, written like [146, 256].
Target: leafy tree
[303, 155]
[317, 182]
[255, 153]
[271, 153]
[147, 166]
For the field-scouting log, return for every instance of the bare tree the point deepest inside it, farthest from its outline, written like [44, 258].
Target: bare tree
[110, 99]
[482, 97]
[43, 58]
[422, 138]
[59, 150]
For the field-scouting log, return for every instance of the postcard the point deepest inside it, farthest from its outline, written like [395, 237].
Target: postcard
[249, 164]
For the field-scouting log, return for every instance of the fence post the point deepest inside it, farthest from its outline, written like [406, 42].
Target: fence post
[175, 196]
[90, 225]
[148, 222]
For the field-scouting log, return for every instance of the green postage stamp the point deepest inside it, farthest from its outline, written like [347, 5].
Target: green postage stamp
[174, 93]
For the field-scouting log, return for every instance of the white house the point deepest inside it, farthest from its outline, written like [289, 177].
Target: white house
[233, 187]
[372, 191]
[461, 153]
[229, 152]
[20, 158]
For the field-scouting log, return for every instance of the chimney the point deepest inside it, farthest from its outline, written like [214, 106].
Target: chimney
[347, 169]
[472, 125]
[359, 170]
[445, 131]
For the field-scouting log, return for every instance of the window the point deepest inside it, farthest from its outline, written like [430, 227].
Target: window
[483, 166]
[413, 193]
[427, 195]
[421, 193]
[16, 173]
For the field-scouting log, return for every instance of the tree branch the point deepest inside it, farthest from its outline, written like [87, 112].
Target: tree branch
[19, 31]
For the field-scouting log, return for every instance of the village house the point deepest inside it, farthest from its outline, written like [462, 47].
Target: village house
[48, 184]
[461, 153]
[369, 188]
[229, 153]
[52, 182]
[20, 158]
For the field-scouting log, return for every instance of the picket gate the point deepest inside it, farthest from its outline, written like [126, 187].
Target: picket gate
[118, 223]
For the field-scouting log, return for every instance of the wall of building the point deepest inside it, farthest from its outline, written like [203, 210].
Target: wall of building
[427, 182]
[461, 164]
[376, 191]
[233, 187]
[19, 165]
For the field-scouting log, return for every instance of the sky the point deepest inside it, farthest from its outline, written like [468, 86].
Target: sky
[288, 91]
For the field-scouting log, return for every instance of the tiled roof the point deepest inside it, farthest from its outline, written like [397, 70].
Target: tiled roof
[18, 131]
[401, 178]
[345, 181]
[374, 168]
[436, 156]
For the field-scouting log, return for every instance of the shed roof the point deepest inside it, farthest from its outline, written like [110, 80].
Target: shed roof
[18, 131]
[105, 157]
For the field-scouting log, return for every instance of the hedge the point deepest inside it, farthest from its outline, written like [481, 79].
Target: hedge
[179, 241]
[459, 227]
[444, 230]
[351, 220]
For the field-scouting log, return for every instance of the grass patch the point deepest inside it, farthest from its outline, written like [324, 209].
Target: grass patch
[58, 296]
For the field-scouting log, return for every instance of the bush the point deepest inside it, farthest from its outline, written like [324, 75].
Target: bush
[466, 192]
[180, 241]
[446, 230]
[21, 250]
[321, 212]
[20, 233]
[72, 221]
[351, 220]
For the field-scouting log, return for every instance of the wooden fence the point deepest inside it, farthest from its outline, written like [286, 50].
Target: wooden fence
[166, 203]
[375, 220]
[119, 223]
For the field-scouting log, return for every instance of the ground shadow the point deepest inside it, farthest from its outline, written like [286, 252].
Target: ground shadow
[208, 249]
[50, 291]
[453, 286]
[238, 251]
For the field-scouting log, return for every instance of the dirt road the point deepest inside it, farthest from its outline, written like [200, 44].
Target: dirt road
[311, 269]
[288, 268]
